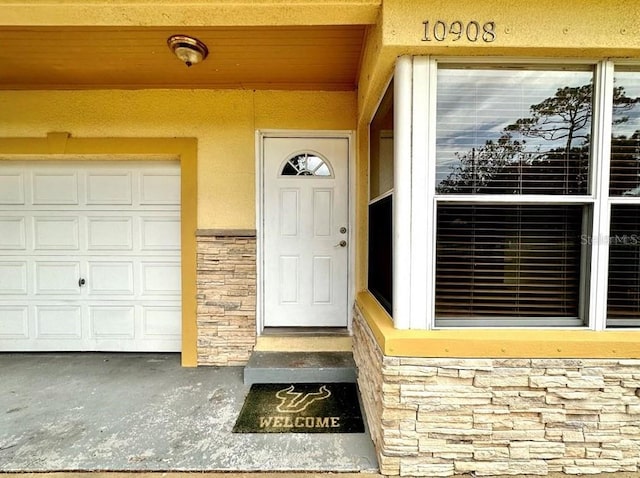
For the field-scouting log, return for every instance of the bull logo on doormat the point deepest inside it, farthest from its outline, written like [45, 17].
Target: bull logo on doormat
[296, 402]
[301, 408]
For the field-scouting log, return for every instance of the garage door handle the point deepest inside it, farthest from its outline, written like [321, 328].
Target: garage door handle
[81, 282]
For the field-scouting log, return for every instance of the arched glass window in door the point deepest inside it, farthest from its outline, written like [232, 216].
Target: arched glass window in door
[306, 164]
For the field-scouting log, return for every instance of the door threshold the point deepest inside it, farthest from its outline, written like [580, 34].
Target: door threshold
[304, 339]
[305, 331]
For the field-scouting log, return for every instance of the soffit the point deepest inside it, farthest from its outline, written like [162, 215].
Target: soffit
[263, 57]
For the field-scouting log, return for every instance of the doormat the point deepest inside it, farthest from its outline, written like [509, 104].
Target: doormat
[301, 408]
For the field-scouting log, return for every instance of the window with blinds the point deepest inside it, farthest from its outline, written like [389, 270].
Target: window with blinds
[506, 262]
[380, 257]
[623, 294]
[623, 290]
[520, 214]
[624, 174]
[512, 195]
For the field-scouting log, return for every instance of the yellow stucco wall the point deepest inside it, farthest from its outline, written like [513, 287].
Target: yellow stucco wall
[223, 122]
[188, 12]
[549, 27]
[218, 177]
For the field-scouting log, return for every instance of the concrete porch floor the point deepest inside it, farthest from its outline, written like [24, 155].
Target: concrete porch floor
[144, 412]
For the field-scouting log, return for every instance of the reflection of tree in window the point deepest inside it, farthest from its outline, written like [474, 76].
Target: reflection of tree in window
[625, 140]
[306, 164]
[510, 166]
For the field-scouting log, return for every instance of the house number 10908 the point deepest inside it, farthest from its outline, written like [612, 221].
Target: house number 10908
[472, 31]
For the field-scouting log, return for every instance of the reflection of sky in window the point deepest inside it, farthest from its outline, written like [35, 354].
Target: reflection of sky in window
[474, 106]
[630, 81]
[313, 162]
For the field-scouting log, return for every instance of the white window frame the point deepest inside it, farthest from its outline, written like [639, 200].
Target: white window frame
[416, 80]
[402, 193]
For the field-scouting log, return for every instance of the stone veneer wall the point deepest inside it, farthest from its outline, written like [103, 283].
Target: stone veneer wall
[226, 283]
[490, 417]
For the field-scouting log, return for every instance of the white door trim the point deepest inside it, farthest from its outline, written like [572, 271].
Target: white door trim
[260, 212]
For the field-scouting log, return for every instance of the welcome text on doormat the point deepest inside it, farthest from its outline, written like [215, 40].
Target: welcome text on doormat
[301, 408]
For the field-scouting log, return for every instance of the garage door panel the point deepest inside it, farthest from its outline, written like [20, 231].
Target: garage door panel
[56, 233]
[110, 278]
[12, 188]
[112, 322]
[13, 277]
[14, 322]
[109, 233]
[58, 278]
[13, 233]
[160, 233]
[51, 188]
[105, 188]
[60, 322]
[160, 278]
[161, 322]
[157, 188]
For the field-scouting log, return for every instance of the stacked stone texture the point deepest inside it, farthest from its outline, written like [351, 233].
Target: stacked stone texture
[493, 417]
[226, 316]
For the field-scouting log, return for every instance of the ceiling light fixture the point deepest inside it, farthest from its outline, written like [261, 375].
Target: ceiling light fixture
[189, 50]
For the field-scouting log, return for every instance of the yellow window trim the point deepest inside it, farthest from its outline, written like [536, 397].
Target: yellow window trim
[60, 145]
[494, 343]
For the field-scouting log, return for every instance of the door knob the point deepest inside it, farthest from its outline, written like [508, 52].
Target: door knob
[81, 282]
[342, 243]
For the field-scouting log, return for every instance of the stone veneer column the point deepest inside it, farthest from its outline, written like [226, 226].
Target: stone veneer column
[495, 416]
[226, 284]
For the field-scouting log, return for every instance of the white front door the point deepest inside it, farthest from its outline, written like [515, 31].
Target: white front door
[306, 231]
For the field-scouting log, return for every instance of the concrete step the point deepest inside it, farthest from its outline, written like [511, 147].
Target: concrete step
[300, 367]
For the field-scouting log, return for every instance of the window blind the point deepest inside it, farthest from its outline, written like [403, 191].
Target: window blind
[623, 305]
[508, 261]
[623, 292]
[625, 166]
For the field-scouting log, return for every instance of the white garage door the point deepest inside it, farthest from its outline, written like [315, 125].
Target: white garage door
[90, 256]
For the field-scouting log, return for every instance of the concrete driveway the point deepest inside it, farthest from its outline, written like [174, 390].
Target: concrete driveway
[144, 412]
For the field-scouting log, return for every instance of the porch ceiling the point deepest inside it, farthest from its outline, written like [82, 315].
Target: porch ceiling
[260, 57]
